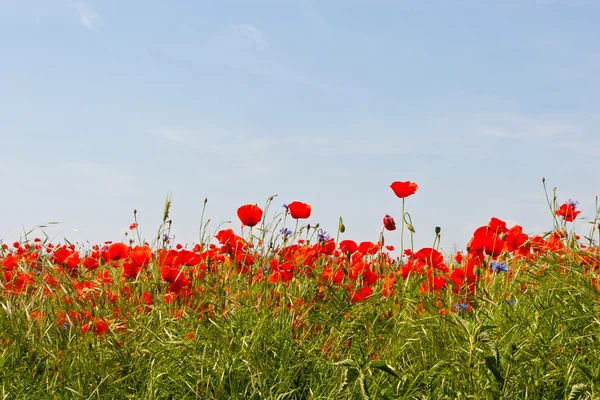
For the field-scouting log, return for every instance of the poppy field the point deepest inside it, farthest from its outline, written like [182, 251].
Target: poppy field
[282, 309]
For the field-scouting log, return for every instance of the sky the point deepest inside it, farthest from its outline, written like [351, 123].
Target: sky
[110, 106]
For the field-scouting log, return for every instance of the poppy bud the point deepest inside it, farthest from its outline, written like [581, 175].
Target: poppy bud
[389, 223]
[410, 227]
[341, 226]
[437, 230]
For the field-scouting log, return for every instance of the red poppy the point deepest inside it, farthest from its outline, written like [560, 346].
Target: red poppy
[118, 251]
[249, 214]
[404, 189]
[368, 248]
[299, 210]
[360, 294]
[141, 255]
[389, 223]
[348, 246]
[568, 211]
[90, 263]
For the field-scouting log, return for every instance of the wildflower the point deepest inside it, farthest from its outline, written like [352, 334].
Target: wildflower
[361, 294]
[166, 238]
[568, 211]
[458, 257]
[389, 223]
[497, 267]
[299, 210]
[285, 232]
[348, 246]
[132, 226]
[118, 251]
[249, 214]
[323, 236]
[461, 306]
[404, 189]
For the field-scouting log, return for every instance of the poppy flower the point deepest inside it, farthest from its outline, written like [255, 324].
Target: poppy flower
[404, 189]
[299, 210]
[118, 251]
[249, 214]
[389, 223]
[360, 294]
[348, 246]
[568, 211]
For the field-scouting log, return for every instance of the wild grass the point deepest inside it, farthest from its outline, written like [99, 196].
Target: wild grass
[533, 334]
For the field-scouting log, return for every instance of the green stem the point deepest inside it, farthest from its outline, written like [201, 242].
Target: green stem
[402, 234]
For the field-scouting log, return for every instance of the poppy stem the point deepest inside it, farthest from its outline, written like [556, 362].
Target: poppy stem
[402, 233]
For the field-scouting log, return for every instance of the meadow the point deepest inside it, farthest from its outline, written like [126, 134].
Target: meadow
[283, 310]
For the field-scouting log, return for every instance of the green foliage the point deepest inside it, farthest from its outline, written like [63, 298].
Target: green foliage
[280, 341]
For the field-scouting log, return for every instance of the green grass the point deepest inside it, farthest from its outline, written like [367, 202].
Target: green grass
[303, 340]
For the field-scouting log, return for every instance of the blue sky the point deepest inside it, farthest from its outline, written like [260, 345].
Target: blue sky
[107, 106]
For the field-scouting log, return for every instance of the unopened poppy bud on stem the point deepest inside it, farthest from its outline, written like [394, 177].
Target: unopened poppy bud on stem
[437, 230]
[410, 227]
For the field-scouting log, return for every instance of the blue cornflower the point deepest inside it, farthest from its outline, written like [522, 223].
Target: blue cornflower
[510, 302]
[285, 206]
[285, 231]
[497, 267]
[573, 203]
[166, 238]
[323, 236]
[265, 267]
[461, 306]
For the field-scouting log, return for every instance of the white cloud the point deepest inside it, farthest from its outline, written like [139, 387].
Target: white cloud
[223, 143]
[87, 15]
[101, 178]
[524, 127]
[248, 32]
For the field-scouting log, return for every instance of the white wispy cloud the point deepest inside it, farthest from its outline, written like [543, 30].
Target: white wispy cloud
[87, 15]
[248, 32]
[101, 178]
[524, 127]
[222, 143]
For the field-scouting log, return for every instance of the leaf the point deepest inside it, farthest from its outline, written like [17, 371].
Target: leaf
[345, 363]
[350, 376]
[382, 366]
[577, 391]
[363, 388]
[494, 367]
